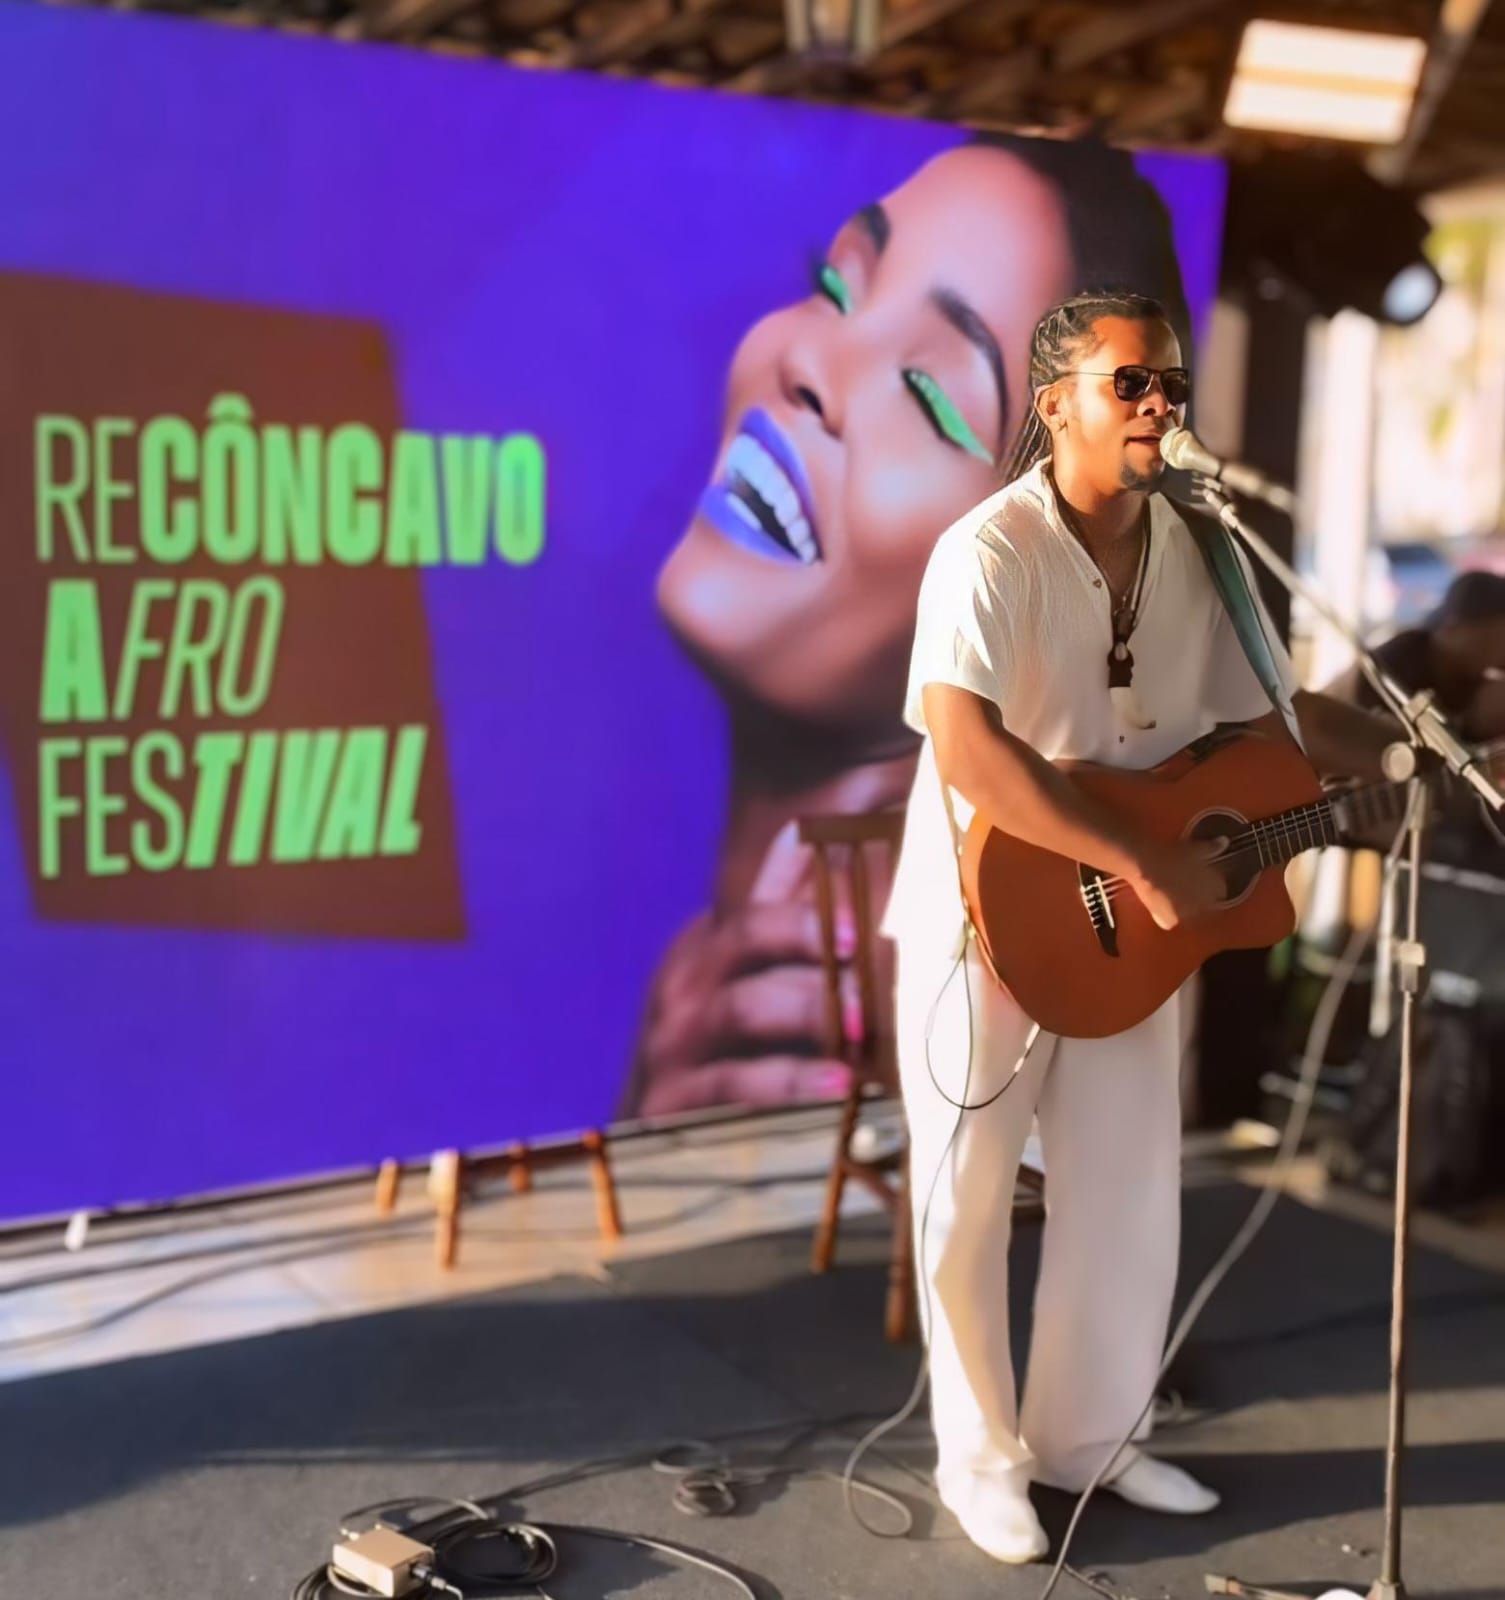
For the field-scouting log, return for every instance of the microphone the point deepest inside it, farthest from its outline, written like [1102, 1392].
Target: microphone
[1181, 448]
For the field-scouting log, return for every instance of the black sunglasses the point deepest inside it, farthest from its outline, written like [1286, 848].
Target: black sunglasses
[1133, 383]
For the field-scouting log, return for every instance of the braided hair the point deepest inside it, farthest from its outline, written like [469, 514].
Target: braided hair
[1119, 234]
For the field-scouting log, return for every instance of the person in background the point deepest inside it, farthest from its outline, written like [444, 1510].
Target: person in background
[1458, 652]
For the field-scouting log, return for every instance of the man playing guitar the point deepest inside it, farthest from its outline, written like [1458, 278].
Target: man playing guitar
[1069, 617]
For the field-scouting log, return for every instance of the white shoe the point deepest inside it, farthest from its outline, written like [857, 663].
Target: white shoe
[996, 1515]
[1159, 1486]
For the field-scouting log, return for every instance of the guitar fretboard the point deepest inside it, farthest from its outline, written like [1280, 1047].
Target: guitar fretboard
[1280, 838]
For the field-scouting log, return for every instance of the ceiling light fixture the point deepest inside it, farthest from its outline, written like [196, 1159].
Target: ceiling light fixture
[1330, 83]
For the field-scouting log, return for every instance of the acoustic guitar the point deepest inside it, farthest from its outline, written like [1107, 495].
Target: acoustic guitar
[1075, 946]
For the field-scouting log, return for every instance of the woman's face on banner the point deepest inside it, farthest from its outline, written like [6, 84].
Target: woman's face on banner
[860, 423]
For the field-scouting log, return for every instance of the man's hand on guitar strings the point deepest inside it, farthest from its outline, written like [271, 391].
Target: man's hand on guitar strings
[1179, 881]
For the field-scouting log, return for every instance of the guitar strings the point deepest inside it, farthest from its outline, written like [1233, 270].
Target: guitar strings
[1258, 839]
[1306, 825]
[1271, 835]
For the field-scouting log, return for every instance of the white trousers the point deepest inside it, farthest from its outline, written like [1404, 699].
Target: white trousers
[1110, 1129]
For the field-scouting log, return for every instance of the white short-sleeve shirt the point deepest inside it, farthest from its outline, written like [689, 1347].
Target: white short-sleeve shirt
[1014, 609]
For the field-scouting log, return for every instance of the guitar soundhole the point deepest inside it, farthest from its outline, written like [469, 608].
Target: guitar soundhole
[1241, 873]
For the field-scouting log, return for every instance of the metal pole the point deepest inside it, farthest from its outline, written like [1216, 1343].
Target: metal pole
[1411, 964]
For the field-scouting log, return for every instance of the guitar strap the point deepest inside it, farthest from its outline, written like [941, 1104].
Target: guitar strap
[1231, 580]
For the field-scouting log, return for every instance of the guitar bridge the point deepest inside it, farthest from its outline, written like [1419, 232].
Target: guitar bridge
[1099, 905]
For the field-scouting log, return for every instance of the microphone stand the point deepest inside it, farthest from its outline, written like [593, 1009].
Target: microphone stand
[1424, 730]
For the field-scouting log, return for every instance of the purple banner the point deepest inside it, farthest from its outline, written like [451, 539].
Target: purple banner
[452, 521]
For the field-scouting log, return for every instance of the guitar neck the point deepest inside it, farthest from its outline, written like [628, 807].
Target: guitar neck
[1359, 810]
[1288, 834]
[1280, 838]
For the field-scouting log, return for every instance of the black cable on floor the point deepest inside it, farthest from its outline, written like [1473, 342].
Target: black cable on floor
[479, 1554]
[529, 1552]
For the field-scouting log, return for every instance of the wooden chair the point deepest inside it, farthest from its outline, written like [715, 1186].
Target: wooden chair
[844, 847]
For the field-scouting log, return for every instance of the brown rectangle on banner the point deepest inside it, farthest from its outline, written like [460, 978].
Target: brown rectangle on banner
[352, 657]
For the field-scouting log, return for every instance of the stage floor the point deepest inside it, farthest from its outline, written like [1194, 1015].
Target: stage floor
[219, 1462]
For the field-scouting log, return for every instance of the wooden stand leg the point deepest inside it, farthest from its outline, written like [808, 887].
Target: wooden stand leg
[825, 1234]
[388, 1177]
[444, 1186]
[449, 1172]
[608, 1216]
[899, 1315]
